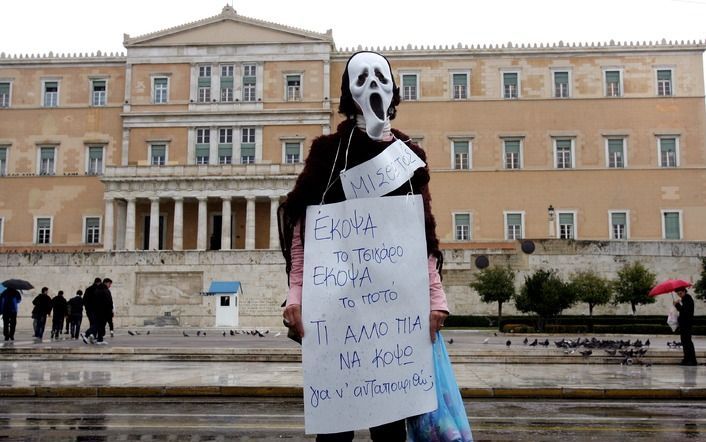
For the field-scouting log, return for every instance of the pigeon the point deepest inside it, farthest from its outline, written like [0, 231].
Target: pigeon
[647, 343]
[137, 333]
[130, 333]
[508, 343]
[148, 332]
[450, 341]
[267, 331]
[495, 334]
[224, 334]
[534, 343]
[232, 333]
[185, 334]
[259, 334]
[278, 333]
[586, 353]
[198, 333]
[545, 343]
[485, 341]
[525, 341]
[204, 333]
[611, 352]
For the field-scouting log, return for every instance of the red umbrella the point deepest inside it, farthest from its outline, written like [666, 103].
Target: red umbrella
[668, 286]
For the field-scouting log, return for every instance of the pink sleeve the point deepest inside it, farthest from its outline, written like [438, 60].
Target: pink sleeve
[436, 290]
[296, 274]
[296, 277]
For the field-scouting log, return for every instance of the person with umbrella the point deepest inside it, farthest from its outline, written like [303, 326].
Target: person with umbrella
[9, 302]
[685, 305]
[42, 308]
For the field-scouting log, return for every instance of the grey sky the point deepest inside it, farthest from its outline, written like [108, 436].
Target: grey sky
[41, 26]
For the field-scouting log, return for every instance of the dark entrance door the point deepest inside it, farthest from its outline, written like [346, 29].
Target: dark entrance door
[216, 233]
[146, 234]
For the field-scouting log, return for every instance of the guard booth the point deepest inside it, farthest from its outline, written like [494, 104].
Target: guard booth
[227, 294]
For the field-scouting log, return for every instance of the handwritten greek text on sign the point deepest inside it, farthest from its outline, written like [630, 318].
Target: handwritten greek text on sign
[381, 175]
[367, 356]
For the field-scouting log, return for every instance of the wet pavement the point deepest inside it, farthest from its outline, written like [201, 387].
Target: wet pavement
[167, 363]
[263, 419]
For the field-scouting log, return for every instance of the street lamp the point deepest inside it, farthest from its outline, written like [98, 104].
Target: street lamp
[550, 214]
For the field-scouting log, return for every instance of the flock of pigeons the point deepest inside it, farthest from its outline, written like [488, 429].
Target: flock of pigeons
[203, 333]
[631, 352]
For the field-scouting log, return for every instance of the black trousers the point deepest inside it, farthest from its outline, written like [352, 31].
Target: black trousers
[687, 345]
[9, 322]
[74, 326]
[391, 432]
[57, 324]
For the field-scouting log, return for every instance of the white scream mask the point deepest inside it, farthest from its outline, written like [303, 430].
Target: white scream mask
[370, 83]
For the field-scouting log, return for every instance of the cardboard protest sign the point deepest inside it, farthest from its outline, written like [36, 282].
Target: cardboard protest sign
[367, 354]
[381, 175]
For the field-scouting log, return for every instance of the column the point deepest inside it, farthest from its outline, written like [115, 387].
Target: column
[108, 220]
[178, 237]
[250, 223]
[225, 224]
[120, 215]
[154, 224]
[130, 225]
[203, 224]
[274, 231]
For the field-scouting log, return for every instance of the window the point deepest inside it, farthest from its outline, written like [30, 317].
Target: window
[249, 82]
[225, 145]
[99, 93]
[462, 226]
[51, 93]
[461, 154]
[225, 301]
[3, 160]
[511, 85]
[294, 85]
[514, 225]
[292, 152]
[671, 224]
[409, 87]
[158, 154]
[227, 83]
[668, 152]
[204, 84]
[512, 153]
[160, 88]
[615, 153]
[563, 153]
[203, 145]
[47, 160]
[42, 231]
[561, 84]
[567, 225]
[95, 160]
[2, 227]
[613, 83]
[247, 145]
[92, 230]
[5, 94]
[664, 82]
[460, 86]
[618, 225]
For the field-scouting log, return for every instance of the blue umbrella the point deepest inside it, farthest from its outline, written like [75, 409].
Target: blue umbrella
[17, 284]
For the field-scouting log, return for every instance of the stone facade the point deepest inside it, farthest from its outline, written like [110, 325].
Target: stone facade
[150, 285]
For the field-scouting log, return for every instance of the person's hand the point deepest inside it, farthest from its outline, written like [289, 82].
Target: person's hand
[436, 321]
[293, 317]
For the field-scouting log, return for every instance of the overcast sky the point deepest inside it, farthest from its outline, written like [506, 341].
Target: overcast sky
[39, 26]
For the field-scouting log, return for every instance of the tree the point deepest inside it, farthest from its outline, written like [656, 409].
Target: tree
[591, 288]
[633, 284]
[495, 284]
[545, 294]
[700, 286]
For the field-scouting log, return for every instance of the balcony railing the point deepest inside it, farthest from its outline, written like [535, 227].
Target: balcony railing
[205, 170]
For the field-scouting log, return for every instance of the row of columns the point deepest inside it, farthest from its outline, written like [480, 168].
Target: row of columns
[178, 223]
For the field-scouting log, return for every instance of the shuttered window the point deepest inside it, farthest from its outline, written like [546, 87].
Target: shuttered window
[672, 227]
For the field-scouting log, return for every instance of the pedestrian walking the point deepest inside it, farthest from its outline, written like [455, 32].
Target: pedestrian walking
[88, 304]
[9, 303]
[75, 314]
[103, 309]
[59, 310]
[42, 308]
[685, 305]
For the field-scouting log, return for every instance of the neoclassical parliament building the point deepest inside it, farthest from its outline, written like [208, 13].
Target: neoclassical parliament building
[189, 141]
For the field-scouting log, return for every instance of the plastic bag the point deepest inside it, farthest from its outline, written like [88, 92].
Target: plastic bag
[449, 422]
[673, 318]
